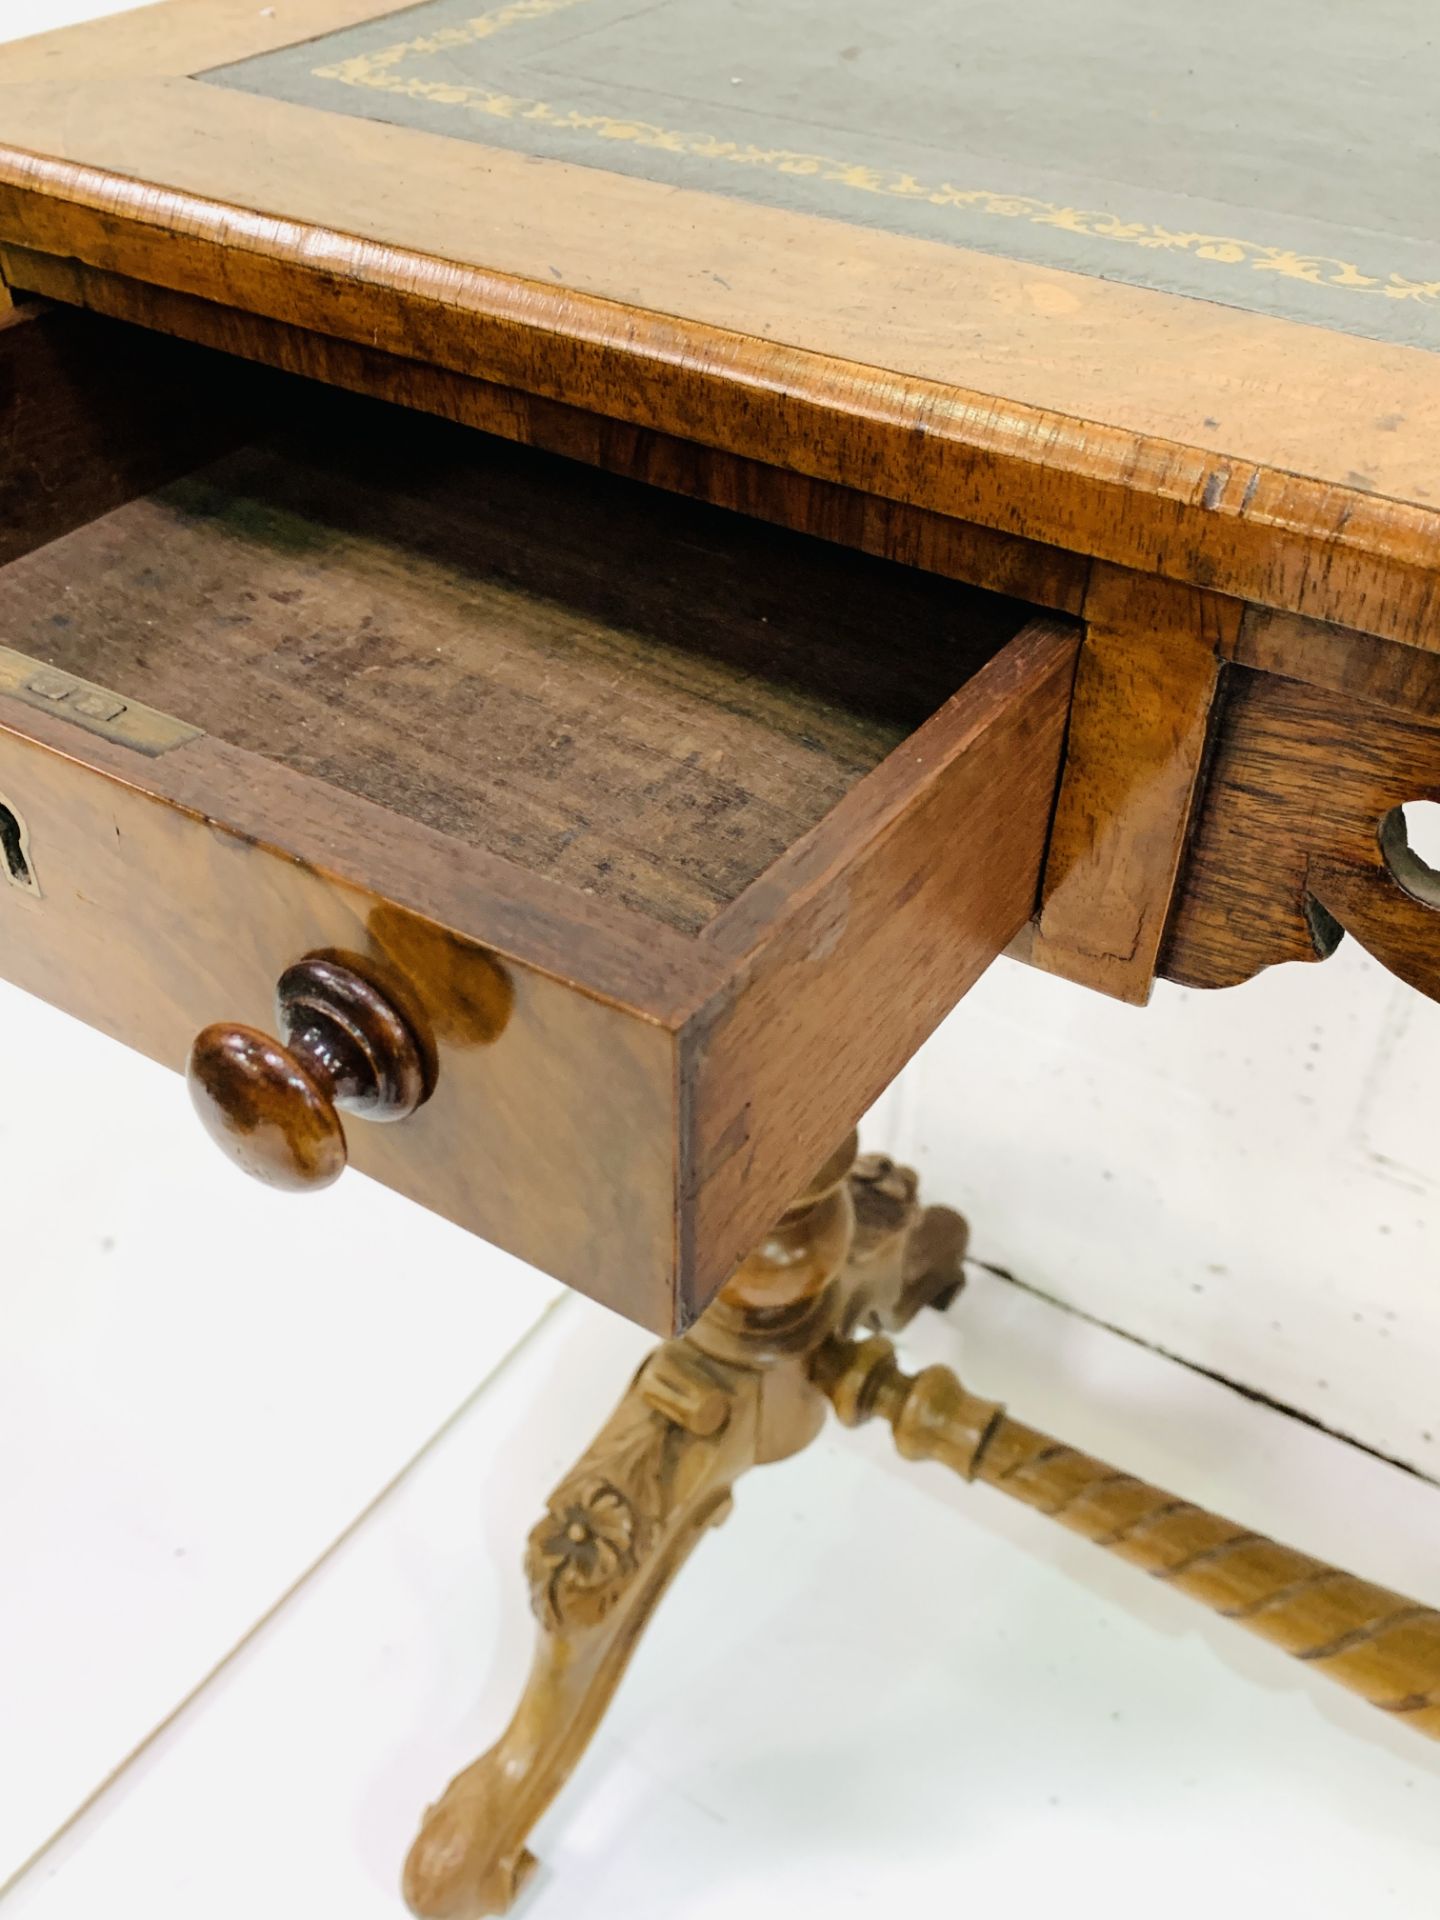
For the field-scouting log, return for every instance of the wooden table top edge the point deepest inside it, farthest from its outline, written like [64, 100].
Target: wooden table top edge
[959, 381]
[1269, 536]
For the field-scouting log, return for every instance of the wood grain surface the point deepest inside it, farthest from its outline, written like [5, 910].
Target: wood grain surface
[173, 893]
[1005, 563]
[93, 414]
[1148, 672]
[613, 1102]
[860, 940]
[1290, 466]
[639, 698]
[1150, 668]
[1288, 850]
[1373, 671]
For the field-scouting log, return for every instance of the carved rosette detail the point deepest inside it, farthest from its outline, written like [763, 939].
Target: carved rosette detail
[584, 1553]
[602, 1524]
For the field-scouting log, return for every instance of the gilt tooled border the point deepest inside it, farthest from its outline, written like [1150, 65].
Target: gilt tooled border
[398, 70]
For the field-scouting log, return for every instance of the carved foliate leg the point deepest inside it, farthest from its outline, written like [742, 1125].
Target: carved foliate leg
[733, 1393]
[614, 1534]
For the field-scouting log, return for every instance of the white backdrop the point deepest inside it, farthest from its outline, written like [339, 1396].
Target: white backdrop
[1248, 1179]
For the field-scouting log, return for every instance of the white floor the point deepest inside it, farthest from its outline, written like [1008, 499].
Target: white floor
[269, 1465]
[202, 1386]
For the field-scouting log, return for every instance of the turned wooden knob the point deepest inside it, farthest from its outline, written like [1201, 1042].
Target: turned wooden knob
[275, 1107]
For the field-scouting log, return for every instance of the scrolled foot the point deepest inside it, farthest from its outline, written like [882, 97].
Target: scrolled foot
[454, 1871]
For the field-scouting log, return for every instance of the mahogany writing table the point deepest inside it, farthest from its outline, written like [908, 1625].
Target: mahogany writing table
[574, 573]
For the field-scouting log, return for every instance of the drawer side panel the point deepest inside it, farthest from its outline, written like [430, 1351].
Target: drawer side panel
[865, 938]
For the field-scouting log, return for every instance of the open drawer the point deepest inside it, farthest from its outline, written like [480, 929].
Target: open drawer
[669, 835]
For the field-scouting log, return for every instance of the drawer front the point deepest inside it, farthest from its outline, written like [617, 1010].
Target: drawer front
[550, 1128]
[626, 1113]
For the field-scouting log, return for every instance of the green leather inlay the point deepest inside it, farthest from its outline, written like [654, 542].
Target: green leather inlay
[1271, 154]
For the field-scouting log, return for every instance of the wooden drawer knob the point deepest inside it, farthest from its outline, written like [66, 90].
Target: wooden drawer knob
[275, 1108]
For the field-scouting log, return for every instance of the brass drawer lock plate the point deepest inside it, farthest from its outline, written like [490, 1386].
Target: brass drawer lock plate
[97, 709]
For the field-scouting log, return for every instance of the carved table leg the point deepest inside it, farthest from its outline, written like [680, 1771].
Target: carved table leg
[733, 1393]
[1375, 1642]
[615, 1533]
[749, 1384]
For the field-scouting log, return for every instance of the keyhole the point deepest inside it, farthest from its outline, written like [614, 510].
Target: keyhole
[15, 851]
[1410, 842]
